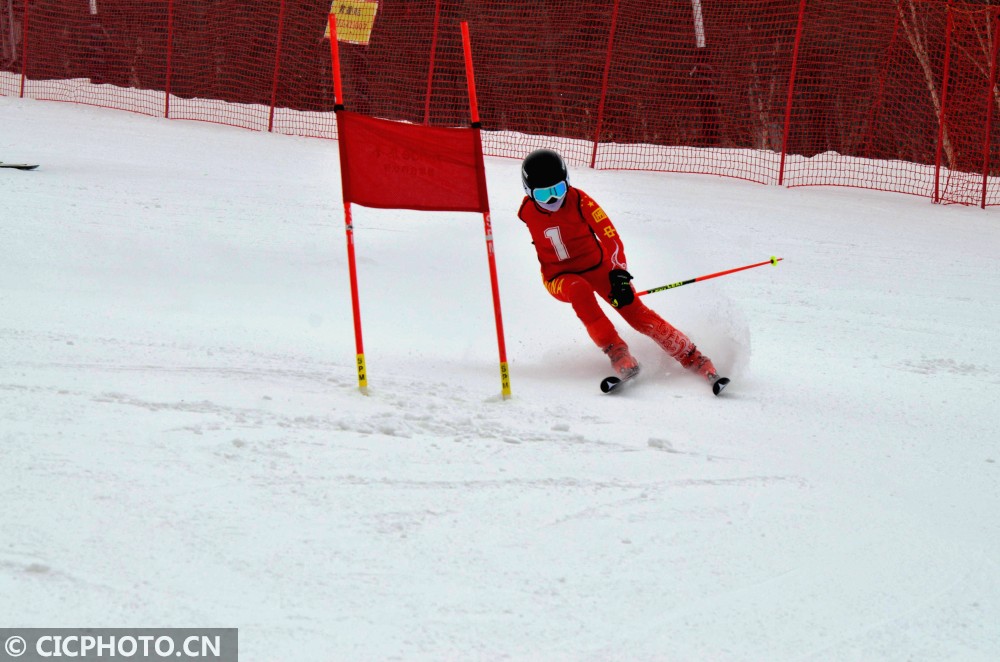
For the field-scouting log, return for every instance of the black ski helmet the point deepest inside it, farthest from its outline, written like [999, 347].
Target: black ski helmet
[542, 168]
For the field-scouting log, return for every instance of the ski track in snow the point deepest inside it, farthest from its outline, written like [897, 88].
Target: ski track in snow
[182, 441]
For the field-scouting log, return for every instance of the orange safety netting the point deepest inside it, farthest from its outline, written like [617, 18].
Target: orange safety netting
[897, 95]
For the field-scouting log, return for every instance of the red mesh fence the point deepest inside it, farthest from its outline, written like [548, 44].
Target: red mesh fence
[698, 87]
[964, 135]
[860, 91]
[114, 58]
[896, 95]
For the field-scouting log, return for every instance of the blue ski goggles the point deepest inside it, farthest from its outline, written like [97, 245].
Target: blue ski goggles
[549, 193]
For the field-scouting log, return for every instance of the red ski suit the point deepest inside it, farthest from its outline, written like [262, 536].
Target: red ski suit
[577, 246]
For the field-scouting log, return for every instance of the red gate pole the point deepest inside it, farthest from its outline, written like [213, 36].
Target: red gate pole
[487, 224]
[277, 66]
[338, 90]
[942, 114]
[430, 69]
[791, 89]
[989, 105]
[338, 95]
[604, 85]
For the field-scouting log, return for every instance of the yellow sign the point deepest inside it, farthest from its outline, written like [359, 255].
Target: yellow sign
[355, 19]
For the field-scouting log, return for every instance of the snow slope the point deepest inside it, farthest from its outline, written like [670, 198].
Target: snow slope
[182, 442]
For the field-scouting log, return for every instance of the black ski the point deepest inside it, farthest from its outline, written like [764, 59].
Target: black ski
[612, 384]
[19, 166]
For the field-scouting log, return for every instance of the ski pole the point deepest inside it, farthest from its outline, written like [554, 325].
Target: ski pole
[774, 261]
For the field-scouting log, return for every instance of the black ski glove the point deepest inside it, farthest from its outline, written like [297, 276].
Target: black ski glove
[622, 293]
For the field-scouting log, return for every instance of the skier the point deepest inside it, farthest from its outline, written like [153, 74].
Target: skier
[581, 254]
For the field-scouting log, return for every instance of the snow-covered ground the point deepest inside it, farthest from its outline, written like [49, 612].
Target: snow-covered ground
[182, 442]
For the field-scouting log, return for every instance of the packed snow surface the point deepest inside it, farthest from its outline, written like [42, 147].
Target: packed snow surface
[183, 443]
